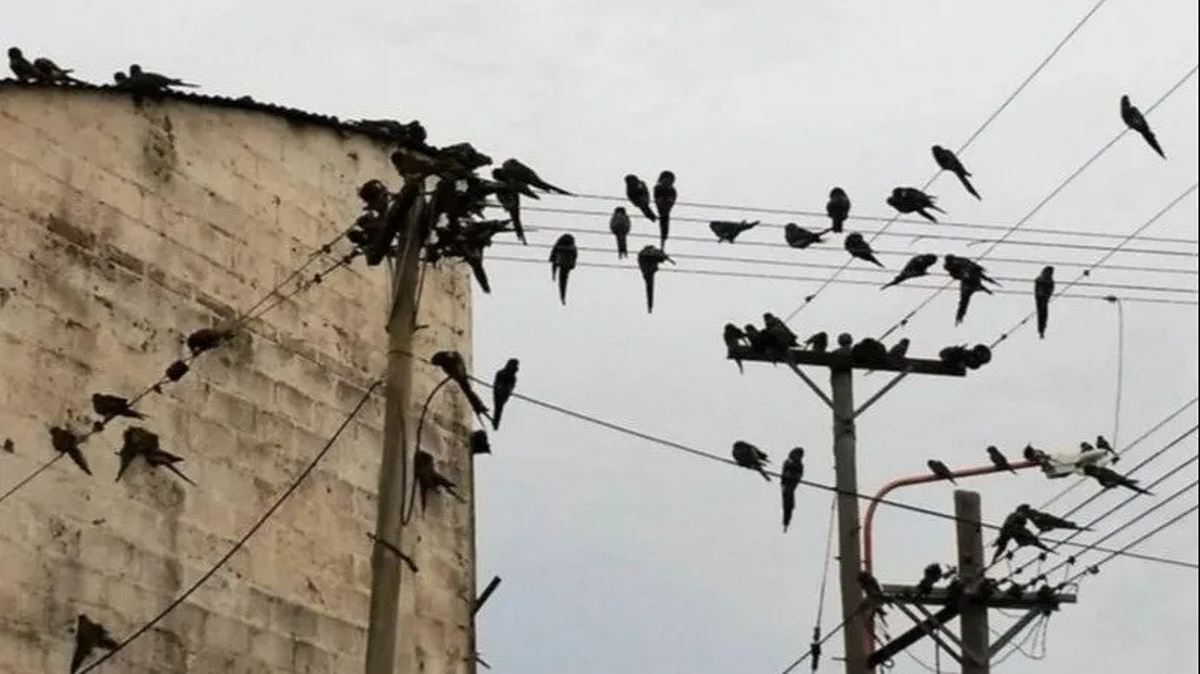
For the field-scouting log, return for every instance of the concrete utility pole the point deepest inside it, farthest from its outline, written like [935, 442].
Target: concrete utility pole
[975, 637]
[841, 363]
[383, 633]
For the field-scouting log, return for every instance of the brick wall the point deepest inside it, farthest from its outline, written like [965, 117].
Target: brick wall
[123, 228]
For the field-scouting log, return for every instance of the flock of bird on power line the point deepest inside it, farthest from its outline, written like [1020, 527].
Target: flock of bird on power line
[452, 226]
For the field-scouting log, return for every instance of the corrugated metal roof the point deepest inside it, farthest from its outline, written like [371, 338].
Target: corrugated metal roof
[373, 130]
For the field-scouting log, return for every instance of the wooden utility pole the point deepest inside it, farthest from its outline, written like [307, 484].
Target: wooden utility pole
[841, 364]
[383, 630]
[975, 637]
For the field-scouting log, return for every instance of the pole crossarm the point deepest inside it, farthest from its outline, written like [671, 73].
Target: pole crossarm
[907, 594]
[912, 636]
[841, 359]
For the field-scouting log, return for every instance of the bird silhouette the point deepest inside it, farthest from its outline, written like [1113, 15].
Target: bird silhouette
[747, 455]
[967, 287]
[428, 479]
[109, 406]
[510, 201]
[452, 365]
[912, 200]
[899, 350]
[790, 475]
[150, 81]
[89, 636]
[21, 67]
[664, 201]
[563, 257]
[916, 267]
[141, 442]
[1134, 119]
[929, 578]
[1102, 443]
[1109, 478]
[1045, 521]
[818, 342]
[838, 209]
[207, 339]
[1043, 290]
[999, 460]
[948, 161]
[779, 332]
[478, 442]
[620, 225]
[941, 470]
[649, 259]
[1014, 530]
[858, 247]
[734, 337]
[799, 237]
[727, 230]
[639, 195]
[517, 172]
[65, 441]
[502, 389]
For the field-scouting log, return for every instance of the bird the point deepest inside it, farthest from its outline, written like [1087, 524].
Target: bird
[734, 337]
[899, 350]
[799, 237]
[65, 441]
[790, 476]
[503, 385]
[452, 365]
[1102, 443]
[563, 257]
[929, 577]
[858, 247]
[21, 67]
[818, 342]
[955, 355]
[649, 259]
[874, 598]
[479, 443]
[967, 287]
[137, 442]
[1109, 478]
[961, 267]
[941, 470]
[510, 201]
[779, 331]
[912, 200]
[109, 406]
[747, 455]
[428, 479]
[1134, 119]
[838, 209]
[664, 201]
[473, 256]
[1046, 521]
[1034, 455]
[999, 460]
[515, 171]
[639, 195]
[1013, 530]
[89, 636]
[206, 339]
[948, 161]
[727, 230]
[1043, 290]
[620, 225]
[869, 352]
[139, 78]
[916, 267]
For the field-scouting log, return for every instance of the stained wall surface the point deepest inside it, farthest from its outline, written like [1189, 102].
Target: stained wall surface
[124, 227]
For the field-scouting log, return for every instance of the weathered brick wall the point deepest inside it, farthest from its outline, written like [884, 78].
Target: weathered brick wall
[123, 228]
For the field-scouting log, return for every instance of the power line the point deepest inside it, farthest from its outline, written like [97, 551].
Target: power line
[882, 273]
[1053, 193]
[1115, 553]
[782, 277]
[245, 537]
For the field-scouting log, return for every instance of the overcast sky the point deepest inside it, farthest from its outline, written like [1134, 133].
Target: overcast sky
[621, 556]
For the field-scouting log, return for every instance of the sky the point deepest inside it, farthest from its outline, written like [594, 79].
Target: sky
[618, 555]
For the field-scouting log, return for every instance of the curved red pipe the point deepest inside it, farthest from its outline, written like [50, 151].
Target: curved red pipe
[923, 478]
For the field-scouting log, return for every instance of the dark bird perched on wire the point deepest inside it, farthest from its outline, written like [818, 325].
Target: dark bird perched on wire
[727, 230]
[734, 337]
[968, 286]
[88, 637]
[747, 455]
[649, 260]
[1010, 530]
[174, 372]
[428, 479]
[1034, 455]
[799, 237]
[479, 443]
[1109, 478]
[869, 352]
[1102, 443]
[563, 257]
[502, 389]
[664, 201]
[510, 201]
[65, 441]
[948, 161]
[818, 342]
[999, 460]
[858, 247]
[899, 350]
[961, 267]
[908, 200]
[141, 442]
[940, 470]
[1045, 521]
[1043, 290]
[511, 184]
[207, 339]
[516, 172]
[21, 67]
[452, 365]
[109, 406]
[779, 331]
[838, 209]
[620, 225]
[639, 195]
[929, 577]
[141, 80]
[790, 476]
[916, 267]
[1134, 119]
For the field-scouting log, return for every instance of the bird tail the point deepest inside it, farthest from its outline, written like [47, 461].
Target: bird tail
[741, 370]
[648, 212]
[926, 214]
[622, 247]
[1153, 142]
[562, 287]
[876, 262]
[762, 471]
[1041, 323]
[480, 275]
[555, 189]
[664, 229]
[183, 477]
[962, 177]
[496, 417]
[650, 294]
[838, 224]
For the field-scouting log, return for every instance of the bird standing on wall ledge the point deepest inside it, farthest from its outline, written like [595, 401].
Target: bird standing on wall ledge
[148, 82]
[41, 70]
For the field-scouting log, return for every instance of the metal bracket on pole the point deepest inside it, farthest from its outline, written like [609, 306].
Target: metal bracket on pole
[1002, 640]
[879, 394]
[811, 384]
[931, 630]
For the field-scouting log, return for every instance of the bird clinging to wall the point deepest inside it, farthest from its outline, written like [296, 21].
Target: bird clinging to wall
[140, 442]
[88, 637]
[66, 441]
[1134, 119]
[563, 257]
[428, 479]
[664, 201]
[948, 161]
